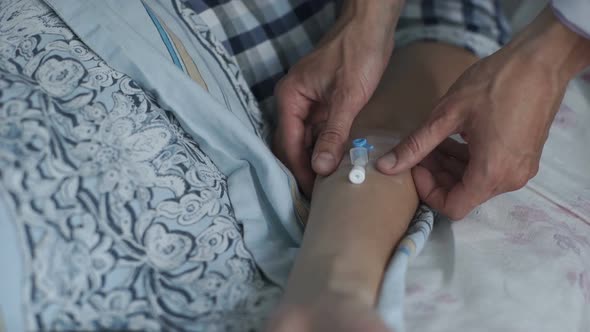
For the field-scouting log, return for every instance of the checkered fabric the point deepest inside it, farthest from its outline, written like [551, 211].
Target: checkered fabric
[266, 36]
[269, 36]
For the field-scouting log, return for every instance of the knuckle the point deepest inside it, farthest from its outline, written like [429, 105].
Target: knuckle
[449, 106]
[518, 180]
[282, 87]
[332, 135]
[448, 115]
[534, 170]
[413, 145]
[347, 95]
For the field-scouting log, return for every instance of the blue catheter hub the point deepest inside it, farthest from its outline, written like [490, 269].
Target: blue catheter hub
[362, 143]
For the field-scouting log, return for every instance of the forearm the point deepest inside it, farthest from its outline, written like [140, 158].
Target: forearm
[382, 14]
[353, 229]
[351, 232]
[374, 20]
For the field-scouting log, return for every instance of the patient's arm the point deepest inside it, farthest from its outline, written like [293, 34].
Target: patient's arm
[353, 229]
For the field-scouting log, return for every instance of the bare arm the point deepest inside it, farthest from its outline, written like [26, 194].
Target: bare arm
[353, 229]
[351, 232]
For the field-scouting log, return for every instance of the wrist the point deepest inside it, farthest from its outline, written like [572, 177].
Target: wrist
[549, 44]
[381, 14]
[335, 275]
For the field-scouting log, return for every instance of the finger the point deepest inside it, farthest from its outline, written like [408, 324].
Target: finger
[290, 140]
[318, 114]
[458, 150]
[329, 146]
[430, 191]
[445, 180]
[316, 121]
[291, 97]
[451, 165]
[344, 103]
[473, 189]
[432, 162]
[316, 130]
[438, 161]
[433, 187]
[295, 154]
[308, 138]
[451, 197]
[418, 144]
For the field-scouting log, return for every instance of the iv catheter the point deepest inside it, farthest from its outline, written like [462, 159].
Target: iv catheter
[359, 158]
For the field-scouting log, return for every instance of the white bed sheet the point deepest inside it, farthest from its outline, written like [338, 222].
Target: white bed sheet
[520, 262]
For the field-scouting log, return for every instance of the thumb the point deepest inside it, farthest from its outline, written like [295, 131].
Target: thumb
[417, 145]
[329, 146]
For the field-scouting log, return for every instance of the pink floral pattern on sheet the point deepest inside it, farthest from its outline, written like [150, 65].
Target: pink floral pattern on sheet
[525, 216]
[413, 289]
[567, 238]
[564, 234]
[581, 203]
[431, 303]
[584, 283]
[529, 214]
[424, 308]
[566, 243]
[446, 298]
[565, 118]
[519, 238]
[581, 280]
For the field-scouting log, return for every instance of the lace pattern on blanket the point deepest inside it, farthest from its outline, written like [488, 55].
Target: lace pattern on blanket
[124, 221]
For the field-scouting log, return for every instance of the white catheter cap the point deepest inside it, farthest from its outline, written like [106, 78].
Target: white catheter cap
[357, 175]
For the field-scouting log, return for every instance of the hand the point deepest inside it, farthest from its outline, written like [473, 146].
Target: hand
[330, 313]
[322, 94]
[503, 106]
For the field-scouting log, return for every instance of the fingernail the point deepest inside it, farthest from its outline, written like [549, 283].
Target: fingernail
[323, 162]
[387, 161]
